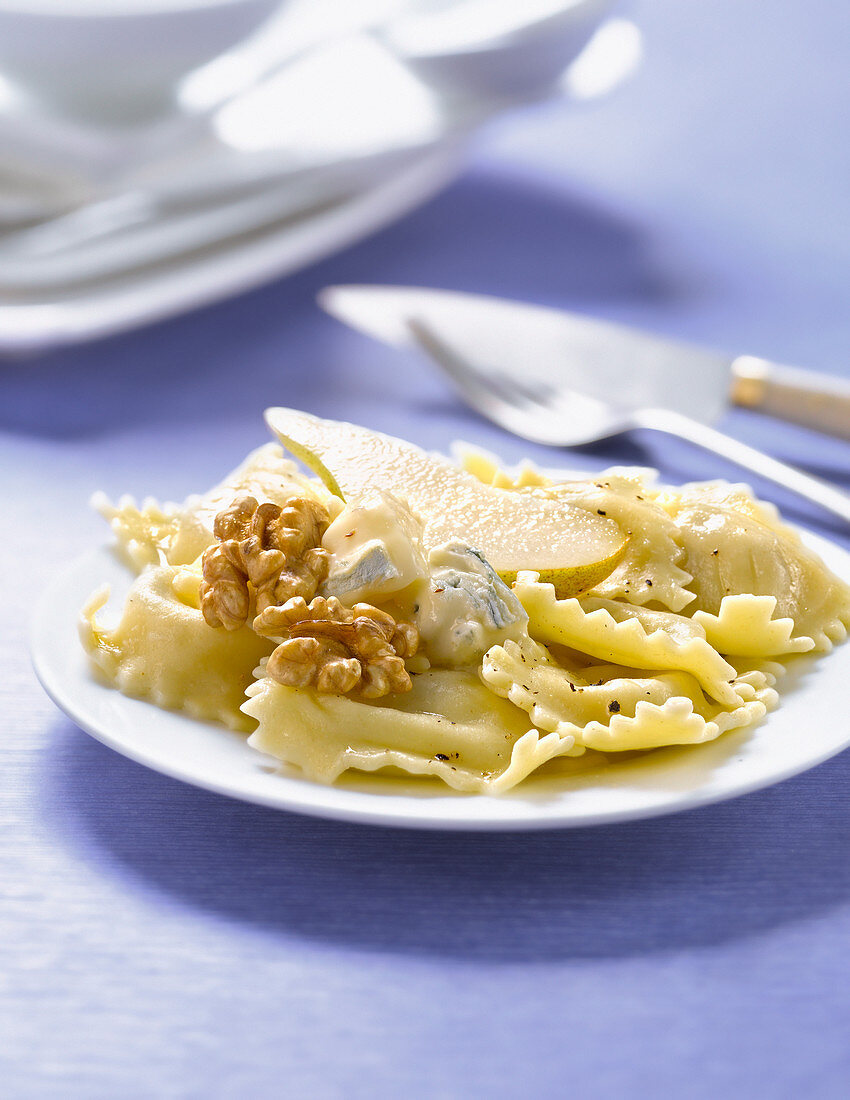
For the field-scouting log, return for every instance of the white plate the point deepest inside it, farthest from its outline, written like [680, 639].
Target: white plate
[809, 726]
[209, 275]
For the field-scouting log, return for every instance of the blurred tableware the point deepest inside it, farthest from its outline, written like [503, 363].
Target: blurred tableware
[31, 323]
[563, 379]
[129, 232]
[259, 191]
[257, 165]
[254, 121]
[117, 60]
[495, 48]
[78, 159]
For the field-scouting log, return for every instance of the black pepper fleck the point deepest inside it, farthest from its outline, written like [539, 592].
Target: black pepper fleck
[441, 756]
[601, 512]
[614, 706]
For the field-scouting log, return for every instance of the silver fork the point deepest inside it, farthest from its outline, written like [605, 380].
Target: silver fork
[542, 412]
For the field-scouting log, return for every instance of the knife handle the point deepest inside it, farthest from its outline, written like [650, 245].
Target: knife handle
[819, 401]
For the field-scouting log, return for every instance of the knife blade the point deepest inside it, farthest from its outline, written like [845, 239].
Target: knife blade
[624, 366]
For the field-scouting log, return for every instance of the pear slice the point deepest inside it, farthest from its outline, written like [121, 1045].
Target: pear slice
[569, 547]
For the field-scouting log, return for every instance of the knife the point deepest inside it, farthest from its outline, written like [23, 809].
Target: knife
[593, 357]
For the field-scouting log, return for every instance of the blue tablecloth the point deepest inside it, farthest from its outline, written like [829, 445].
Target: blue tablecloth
[159, 941]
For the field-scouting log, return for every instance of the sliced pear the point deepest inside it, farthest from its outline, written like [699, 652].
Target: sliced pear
[571, 580]
[568, 546]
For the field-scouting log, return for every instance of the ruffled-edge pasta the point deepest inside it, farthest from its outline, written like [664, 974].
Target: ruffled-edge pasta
[758, 671]
[148, 533]
[163, 650]
[450, 726]
[613, 709]
[624, 635]
[486, 468]
[745, 627]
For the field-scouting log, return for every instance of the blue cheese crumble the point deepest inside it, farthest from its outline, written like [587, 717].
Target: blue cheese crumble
[466, 607]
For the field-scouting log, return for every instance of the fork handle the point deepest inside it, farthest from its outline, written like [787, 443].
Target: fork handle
[819, 401]
[789, 477]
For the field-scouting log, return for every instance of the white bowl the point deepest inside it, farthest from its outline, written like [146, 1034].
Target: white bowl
[117, 60]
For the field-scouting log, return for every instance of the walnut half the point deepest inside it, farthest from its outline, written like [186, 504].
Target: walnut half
[337, 649]
[265, 555]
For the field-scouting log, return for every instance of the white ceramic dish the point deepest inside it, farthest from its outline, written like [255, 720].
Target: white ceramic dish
[141, 242]
[200, 278]
[809, 726]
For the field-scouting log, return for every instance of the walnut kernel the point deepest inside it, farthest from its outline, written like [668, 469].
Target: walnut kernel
[265, 555]
[337, 649]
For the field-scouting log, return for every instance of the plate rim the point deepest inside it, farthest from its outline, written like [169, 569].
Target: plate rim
[301, 795]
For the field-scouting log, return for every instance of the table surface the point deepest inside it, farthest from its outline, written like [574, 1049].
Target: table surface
[156, 940]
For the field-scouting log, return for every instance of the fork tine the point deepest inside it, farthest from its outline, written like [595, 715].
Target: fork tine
[523, 408]
[536, 392]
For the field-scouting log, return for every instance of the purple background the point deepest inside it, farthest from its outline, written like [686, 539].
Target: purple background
[156, 940]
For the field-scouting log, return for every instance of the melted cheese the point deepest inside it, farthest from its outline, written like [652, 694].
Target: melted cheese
[465, 608]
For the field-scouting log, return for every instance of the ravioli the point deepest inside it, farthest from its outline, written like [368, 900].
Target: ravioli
[449, 726]
[153, 532]
[163, 650]
[651, 569]
[730, 552]
[745, 626]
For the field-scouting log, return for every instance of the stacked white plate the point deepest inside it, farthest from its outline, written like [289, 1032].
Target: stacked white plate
[301, 140]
